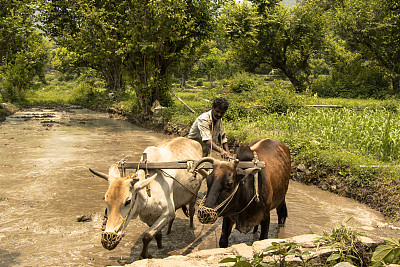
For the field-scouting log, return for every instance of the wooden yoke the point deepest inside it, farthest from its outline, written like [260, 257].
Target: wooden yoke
[183, 165]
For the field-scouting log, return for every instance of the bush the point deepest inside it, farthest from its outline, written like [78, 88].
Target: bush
[278, 99]
[199, 82]
[355, 80]
[241, 82]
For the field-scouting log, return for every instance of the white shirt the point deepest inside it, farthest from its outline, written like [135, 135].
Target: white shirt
[203, 129]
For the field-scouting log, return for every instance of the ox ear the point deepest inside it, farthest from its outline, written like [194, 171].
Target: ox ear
[235, 163]
[143, 183]
[114, 171]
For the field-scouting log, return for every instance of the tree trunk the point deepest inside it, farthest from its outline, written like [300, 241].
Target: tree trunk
[298, 85]
[184, 77]
[396, 83]
[112, 73]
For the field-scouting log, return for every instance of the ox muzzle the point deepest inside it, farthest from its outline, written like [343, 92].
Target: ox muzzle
[110, 240]
[205, 214]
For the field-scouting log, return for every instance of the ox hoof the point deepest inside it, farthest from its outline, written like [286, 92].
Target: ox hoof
[141, 257]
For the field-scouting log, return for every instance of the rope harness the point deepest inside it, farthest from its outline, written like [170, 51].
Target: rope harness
[208, 215]
[110, 240]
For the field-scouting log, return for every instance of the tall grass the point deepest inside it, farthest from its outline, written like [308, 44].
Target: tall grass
[368, 131]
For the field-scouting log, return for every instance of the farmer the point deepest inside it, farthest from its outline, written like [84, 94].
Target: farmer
[208, 129]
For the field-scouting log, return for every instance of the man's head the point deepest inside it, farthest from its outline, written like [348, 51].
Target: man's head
[219, 107]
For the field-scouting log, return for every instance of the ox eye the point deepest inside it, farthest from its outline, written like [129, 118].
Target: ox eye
[128, 202]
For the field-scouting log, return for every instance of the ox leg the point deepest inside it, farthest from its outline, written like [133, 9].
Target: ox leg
[282, 212]
[265, 227]
[158, 237]
[170, 226]
[227, 225]
[158, 225]
[191, 213]
[255, 229]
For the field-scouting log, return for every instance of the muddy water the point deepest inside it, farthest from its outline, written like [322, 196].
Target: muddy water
[45, 186]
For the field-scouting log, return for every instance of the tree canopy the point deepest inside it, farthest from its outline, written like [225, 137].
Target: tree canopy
[327, 46]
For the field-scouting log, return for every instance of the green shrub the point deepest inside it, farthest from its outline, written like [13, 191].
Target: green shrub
[352, 80]
[348, 247]
[199, 82]
[279, 99]
[389, 253]
[241, 82]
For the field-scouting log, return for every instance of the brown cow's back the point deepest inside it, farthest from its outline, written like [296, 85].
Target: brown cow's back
[276, 173]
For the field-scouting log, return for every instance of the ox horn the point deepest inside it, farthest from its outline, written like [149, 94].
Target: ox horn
[235, 163]
[206, 159]
[100, 174]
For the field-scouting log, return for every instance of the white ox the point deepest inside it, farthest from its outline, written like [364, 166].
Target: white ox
[170, 190]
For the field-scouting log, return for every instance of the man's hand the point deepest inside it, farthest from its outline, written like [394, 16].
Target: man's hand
[226, 154]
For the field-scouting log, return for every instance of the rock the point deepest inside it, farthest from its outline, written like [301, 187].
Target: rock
[306, 241]
[370, 242]
[243, 250]
[301, 167]
[260, 245]
[84, 218]
[208, 253]
[343, 264]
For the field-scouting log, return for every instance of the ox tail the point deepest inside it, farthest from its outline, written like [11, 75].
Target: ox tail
[185, 210]
[282, 212]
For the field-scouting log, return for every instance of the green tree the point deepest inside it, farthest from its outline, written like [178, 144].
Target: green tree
[285, 39]
[160, 32]
[23, 50]
[64, 61]
[372, 28]
[213, 62]
[89, 29]
[146, 38]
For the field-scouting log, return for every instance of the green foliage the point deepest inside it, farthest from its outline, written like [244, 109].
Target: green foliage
[372, 29]
[64, 62]
[347, 245]
[280, 99]
[351, 76]
[23, 51]
[107, 37]
[284, 38]
[199, 82]
[278, 251]
[240, 82]
[389, 253]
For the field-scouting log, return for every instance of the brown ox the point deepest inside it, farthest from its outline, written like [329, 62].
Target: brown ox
[170, 190]
[231, 192]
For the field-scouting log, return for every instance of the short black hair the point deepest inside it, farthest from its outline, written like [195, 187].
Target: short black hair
[221, 103]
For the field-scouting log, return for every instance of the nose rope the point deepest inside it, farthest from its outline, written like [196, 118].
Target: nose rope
[209, 215]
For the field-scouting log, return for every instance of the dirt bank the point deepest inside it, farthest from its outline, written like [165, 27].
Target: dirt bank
[6, 110]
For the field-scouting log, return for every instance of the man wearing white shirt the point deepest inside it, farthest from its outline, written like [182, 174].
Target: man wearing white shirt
[208, 129]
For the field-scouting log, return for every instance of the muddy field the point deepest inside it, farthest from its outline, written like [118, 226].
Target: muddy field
[51, 206]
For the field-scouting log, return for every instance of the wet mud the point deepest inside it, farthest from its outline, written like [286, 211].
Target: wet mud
[51, 206]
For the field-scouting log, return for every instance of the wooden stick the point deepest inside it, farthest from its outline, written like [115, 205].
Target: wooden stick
[186, 105]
